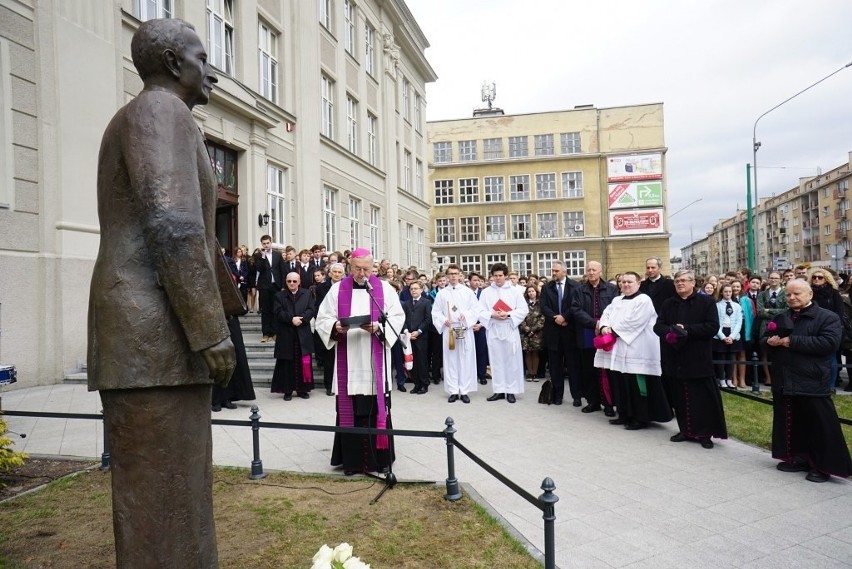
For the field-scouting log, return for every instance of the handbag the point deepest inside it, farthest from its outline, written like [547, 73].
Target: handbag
[232, 301]
[545, 397]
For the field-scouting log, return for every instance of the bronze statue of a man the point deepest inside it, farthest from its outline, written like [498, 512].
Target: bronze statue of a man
[158, 337]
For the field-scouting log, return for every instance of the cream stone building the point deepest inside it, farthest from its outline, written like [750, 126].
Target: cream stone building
[527, 190]
[318, 122]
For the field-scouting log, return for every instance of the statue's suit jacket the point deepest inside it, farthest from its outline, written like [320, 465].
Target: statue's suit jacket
[154, 302]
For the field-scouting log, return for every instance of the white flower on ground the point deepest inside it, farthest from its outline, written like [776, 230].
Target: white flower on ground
[355, 563]
[322, 559]
[342, 552]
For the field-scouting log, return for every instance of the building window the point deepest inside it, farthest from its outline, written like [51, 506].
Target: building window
[418, 117]
[570, 142]
[224, 162]
[518, 147]
[354, 223]
[469, 229]
[467, 150]
[545, 262]
[152, 9]
[522, 263]
[406, 171]
[469, 190]
[276, 200]
[421, 243]
[220, 29]
[406, 94]
[544, 145]
[268, 50]
[443, 192]
[329, 211]
[545, 186]
[495, 227]
[445, 230]
[575, 263]
[572, 184]
[574, 224]
[471, 264]
[325, 13]
[547, 225]
[492, 148]
[375, 230]
[370, 49]
[493, 188]
[443, 152]
[408, 243]
[352, 124]
[493, 258]
[349, 27]
[827, 230]
[521, 226]
[418, 179]
[519, 187]
[327, 92]
[372, 133]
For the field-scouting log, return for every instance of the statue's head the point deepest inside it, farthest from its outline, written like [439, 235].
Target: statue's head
[169, 54]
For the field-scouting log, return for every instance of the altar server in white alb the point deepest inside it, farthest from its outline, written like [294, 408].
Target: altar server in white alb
[456, 307]
[503, 308]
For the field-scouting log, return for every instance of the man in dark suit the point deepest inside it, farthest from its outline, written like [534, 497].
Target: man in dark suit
[270, 281]
[306, 270]
[317, 261]
[291, 263]
[559, 334]
[655, 285]
[418, 316]
[157, 334]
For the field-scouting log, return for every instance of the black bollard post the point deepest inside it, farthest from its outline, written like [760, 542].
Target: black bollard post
[453, 491]
[105, 454]
[549, 500]
[256, 464]
[755, 381]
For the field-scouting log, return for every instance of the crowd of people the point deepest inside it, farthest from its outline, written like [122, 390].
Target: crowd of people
[641, 350]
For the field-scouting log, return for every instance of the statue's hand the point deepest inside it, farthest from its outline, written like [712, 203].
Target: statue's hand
[221, 361]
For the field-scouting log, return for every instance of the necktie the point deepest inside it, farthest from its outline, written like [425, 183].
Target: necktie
[729, 309]
[559, 293]
[773, 300]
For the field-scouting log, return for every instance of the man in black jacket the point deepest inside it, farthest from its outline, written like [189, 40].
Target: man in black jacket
[655, 285]
[559, 335]
[687, 323]
[590, 298]
[418, 316]
[806, 434]
[270, 281]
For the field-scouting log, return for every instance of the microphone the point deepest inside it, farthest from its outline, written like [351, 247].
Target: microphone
[368, 285]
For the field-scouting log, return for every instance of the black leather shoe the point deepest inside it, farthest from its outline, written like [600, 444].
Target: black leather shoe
[577, 403]
[482, 381]
[706, 442]
[557, 402]
[678, 438]
[591, 408]
[618, 421]
[328, 392]
[609, 412]
[217, 408]
[496, 396]
[465, 399]
[415, 391]
[303, 395]
[436, 381]
[817, 476]
[793, 466]
[453, 398]
[229, 405]
[510, 398]
[635, 425]
[288, 397]
[401, 387]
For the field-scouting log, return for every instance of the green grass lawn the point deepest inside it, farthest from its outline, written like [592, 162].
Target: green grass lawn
[751, 421]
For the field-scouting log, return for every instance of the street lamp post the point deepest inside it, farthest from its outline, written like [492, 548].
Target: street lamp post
[755, 144]
[693, 202]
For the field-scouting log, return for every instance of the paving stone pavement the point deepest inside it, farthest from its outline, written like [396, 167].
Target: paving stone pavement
[627, 499]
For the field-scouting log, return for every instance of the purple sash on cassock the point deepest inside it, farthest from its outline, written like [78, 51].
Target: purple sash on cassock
[344, 403]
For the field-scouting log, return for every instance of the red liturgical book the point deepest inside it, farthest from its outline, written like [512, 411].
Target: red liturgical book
[500, 305]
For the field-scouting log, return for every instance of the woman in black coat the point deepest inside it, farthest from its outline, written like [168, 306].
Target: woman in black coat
[687, 323]
[827, 295]
[293, 310]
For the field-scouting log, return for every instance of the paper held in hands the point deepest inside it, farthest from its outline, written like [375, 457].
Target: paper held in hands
[501, 306]
[355, 321]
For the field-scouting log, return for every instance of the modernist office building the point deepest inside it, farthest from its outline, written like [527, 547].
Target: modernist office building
[527, 190]
[318, 122]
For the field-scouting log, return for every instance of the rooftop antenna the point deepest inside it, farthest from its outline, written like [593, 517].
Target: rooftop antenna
[489, 92]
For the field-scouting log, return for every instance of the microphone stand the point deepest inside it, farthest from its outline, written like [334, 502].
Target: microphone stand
[389, 478]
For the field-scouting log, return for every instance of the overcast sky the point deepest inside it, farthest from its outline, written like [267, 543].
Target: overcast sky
[716, 66]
